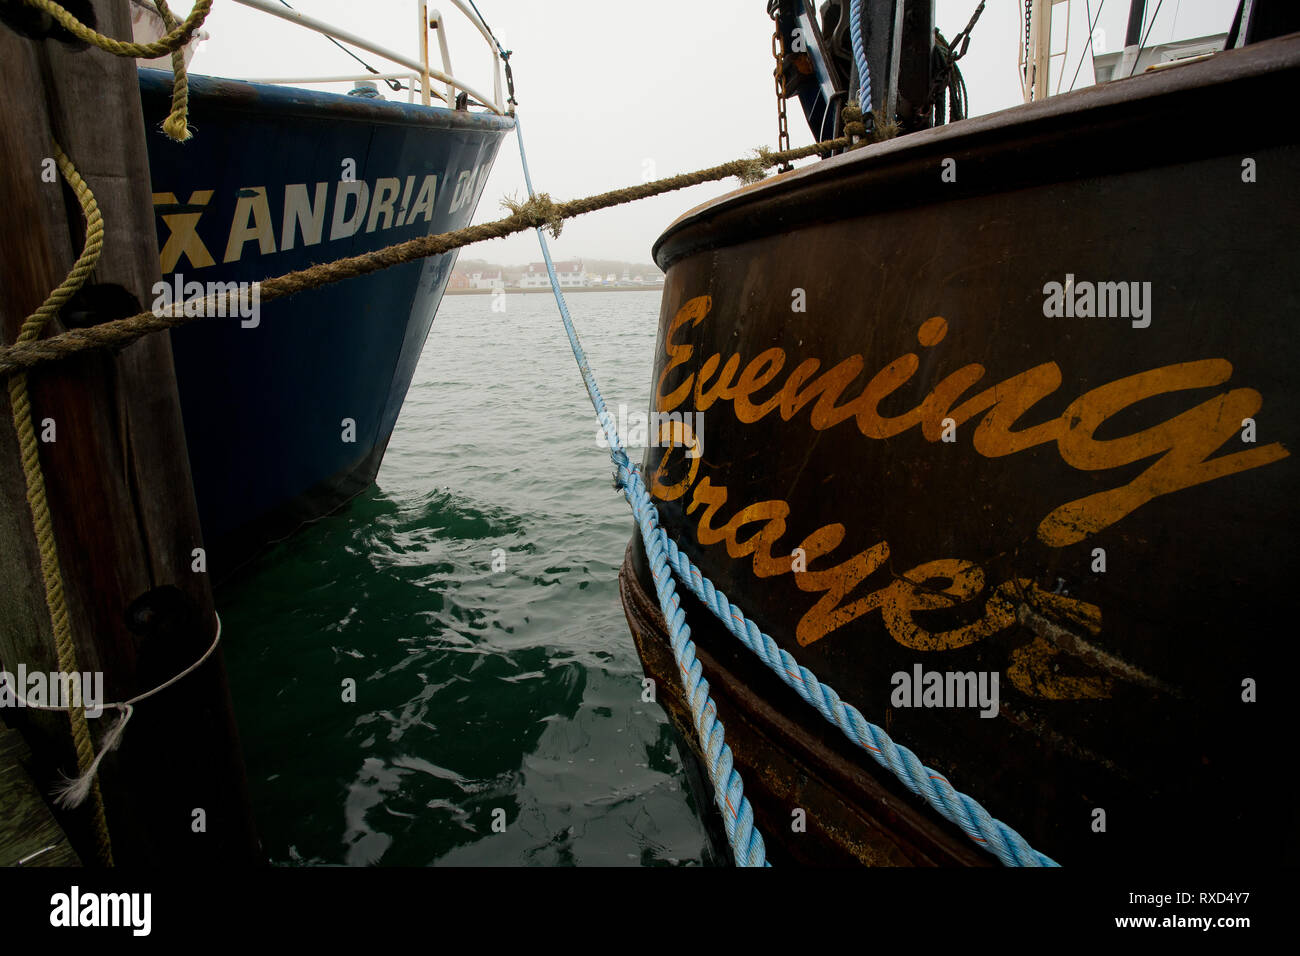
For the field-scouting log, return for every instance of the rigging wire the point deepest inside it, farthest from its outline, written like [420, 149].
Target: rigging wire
[394, 85]
[483, 20]
[505, 55]
[1065, 52]
[1092, 28]
[1145, 36]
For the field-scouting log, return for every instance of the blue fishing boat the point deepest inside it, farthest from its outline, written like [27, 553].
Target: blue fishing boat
[288, 411]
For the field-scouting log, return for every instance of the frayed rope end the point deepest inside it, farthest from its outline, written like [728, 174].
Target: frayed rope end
[176, 128]
[755, 169]
[539, 210]
[71, 793]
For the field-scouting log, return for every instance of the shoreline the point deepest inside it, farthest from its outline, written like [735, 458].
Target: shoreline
[547, 290]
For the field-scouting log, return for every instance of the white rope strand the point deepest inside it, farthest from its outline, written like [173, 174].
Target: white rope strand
[72, 792]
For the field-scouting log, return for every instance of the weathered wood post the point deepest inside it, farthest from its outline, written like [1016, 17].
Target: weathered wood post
[115, 465]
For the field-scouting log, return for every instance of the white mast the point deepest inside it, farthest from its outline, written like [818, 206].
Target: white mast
[1036, 54]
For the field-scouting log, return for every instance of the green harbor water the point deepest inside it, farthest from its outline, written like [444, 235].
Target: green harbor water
[477, 690]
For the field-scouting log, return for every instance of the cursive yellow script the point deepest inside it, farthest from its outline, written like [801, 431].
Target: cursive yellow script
[1183, 443]
[934, 585]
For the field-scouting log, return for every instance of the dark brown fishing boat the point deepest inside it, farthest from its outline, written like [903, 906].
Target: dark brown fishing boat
[1005, 406]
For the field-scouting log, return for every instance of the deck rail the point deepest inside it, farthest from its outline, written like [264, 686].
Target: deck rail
[419, 71]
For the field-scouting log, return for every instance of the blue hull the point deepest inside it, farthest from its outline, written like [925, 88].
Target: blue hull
[287, 413]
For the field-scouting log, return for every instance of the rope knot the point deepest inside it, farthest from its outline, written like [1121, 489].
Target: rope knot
[863, 128]
[754, 168]
[854, 127]
[539, 211]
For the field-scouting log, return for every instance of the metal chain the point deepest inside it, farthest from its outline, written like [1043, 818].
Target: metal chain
[782, 129]
[1028, 86]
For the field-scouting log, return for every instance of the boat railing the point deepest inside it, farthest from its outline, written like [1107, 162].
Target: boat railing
[412, 78]
[418, 71]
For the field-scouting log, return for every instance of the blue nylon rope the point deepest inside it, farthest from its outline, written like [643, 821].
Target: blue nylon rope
[860, 56]
[665, 558]
[728, 789]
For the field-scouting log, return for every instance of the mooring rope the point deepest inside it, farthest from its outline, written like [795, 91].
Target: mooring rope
[883, 126]
[728, 788]
[29, 350]
[178, 34]
[966, 812]
[860, 56]
[24, 424]
[665, 559]
[537, 211]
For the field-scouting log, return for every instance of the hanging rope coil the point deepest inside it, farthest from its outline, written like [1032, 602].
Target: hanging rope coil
[174, 39]
[37, 502]
[178, 35]
[176, 125]
[947, 75]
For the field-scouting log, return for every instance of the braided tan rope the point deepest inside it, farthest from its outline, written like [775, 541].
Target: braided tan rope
[24, 424]
[174, 40]
[176, 124]
[538, 211]
[178, 34]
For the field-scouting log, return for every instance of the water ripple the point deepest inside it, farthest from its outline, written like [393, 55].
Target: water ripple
[472, 598]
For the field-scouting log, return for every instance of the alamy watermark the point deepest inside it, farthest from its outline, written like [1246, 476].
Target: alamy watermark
[215, 300]
[1102, 300]
[654, 430]
[949, 689]
[75, 909]
[53, 689]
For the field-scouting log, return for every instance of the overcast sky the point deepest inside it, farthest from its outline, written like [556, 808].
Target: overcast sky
[609, 89]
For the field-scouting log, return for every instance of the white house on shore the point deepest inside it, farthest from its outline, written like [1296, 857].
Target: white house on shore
[486, 280]
[571, 275]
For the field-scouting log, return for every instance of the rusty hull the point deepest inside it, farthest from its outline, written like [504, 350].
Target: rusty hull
[954, 452]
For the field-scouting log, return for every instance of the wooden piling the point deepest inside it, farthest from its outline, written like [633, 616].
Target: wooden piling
[29, 835]
[117, 472]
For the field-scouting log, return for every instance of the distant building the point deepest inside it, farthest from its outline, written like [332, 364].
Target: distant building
[571, 275]
[458, 281]
[486, 280]
[1117, 65]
